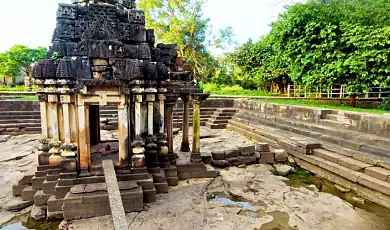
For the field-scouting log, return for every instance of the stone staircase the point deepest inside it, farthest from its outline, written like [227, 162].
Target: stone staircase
[205, 115]
[359, 160]
[220, 118]
[20, 122]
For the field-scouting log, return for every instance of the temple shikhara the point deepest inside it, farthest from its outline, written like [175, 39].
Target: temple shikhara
[101, 55]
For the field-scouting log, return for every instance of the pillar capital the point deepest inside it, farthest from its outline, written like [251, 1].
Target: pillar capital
[65, 99]
[52, 98]
[198, 98]
[185, 96]
[42, 97]
[171, 99]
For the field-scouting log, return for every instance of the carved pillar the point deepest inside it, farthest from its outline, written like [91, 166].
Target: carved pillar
[84, 146]
[185, 144]
[68, 162]
[53, 117]
[151, 147]
[170, 102]
[197, 100]
[123, 132]
[43, 109]
[163, 158]
[138, 159]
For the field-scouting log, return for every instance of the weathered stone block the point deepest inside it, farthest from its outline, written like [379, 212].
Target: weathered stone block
[38, 213]
[376, 184]
[330, 156]
[221, 163]
[377, 172]
[40, 198]
[218, 155]
[235, 161]
[281, 155]
[248, 150]
[48, 186]
[206, 157]
[173, 181]
[17, 205]
[184, 175]
[28, 194]
[231, 153]
[54, 205]
[61, 191]
[26, 180]
[267, 158]
[161, 187]
[247, 159]
[17, 189]
[149, 196]
[353, 164]
[196, 175]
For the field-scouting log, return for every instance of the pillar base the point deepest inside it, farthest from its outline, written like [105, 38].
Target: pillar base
[138, 160]
[84, 173]
[151, 152]
[185, 147]
[196, 158]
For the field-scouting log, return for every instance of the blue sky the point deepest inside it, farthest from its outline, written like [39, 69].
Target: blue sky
[29, 22]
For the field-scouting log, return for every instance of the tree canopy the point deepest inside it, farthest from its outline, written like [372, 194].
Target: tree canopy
[182, 22]
[17, 60]
[320, 43]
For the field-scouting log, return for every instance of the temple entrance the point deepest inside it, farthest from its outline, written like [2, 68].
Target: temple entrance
[103, 126]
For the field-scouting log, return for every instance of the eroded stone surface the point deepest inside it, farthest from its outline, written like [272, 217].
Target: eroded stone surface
[186, 206]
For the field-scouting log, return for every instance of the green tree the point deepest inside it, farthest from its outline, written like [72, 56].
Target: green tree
[17, 60]
[182, 22]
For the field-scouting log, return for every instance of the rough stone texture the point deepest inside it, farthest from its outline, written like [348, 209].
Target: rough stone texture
[186, 207]
[218, 155]
[206, 157]
[220, 163]
[379, 173]
[282, 169]
[373, 183]
[4, 138]
[267, 158]
[247, 159]
[116, 205]
[231, 153]
[262, 147]
[281, 155]
[353, 164]
[16, 205]
[247, 150]
[38, 213]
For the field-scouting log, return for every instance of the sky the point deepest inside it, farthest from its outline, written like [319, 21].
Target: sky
[31, 23]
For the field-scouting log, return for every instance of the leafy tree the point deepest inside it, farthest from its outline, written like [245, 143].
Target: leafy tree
[182, 22]
[17, 60]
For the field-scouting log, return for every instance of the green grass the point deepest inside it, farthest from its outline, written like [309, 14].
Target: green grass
[15, 89]
[234, 90]
[318, 104]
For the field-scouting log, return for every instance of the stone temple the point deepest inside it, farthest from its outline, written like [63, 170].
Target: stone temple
[101, 54]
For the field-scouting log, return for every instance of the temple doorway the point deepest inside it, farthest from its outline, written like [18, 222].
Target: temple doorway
[103, 122]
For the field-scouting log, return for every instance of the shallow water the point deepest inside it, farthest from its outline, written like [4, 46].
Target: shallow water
[304, 178]
[26, 222]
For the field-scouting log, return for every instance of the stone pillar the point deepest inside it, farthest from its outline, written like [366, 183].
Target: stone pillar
[163, 158]
[43, 109]
[170, 102]
[197, 100]
[84, 146]
[43, 157]
[65, 100]
[123, 132]
[55, 157]
[151, 147]
[185, 144]
[138, 159]
[53, 117]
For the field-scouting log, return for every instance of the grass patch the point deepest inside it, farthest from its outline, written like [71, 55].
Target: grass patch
[318, 104]
[234, 90]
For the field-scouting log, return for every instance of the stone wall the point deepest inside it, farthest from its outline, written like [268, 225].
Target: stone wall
[364, 122]
[210, 103]
[18, 105]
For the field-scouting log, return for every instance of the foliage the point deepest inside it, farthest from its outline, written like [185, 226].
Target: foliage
[319, 104]
[321, 43]
[385, 104]
[16, 89]
[182, 22]
[234, 90]
[17, 60]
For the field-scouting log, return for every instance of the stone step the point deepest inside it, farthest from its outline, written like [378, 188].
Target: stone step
[347, 136]
[20, 125]
[335, 124]
[180, 124]
[10, 121]
[20, 117]
[227, 110]
[219, 121]
[269, 131]
[218, 117]
[215, 126]
[28, 194]
[191, 117]
[18, 113]
[191, 109]
[109, 112]
[334, 117]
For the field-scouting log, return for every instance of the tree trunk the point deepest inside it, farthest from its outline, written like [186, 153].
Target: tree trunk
[352, 101]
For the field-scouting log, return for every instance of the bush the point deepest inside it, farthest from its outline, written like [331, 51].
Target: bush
[234, 90]
[385, 104]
